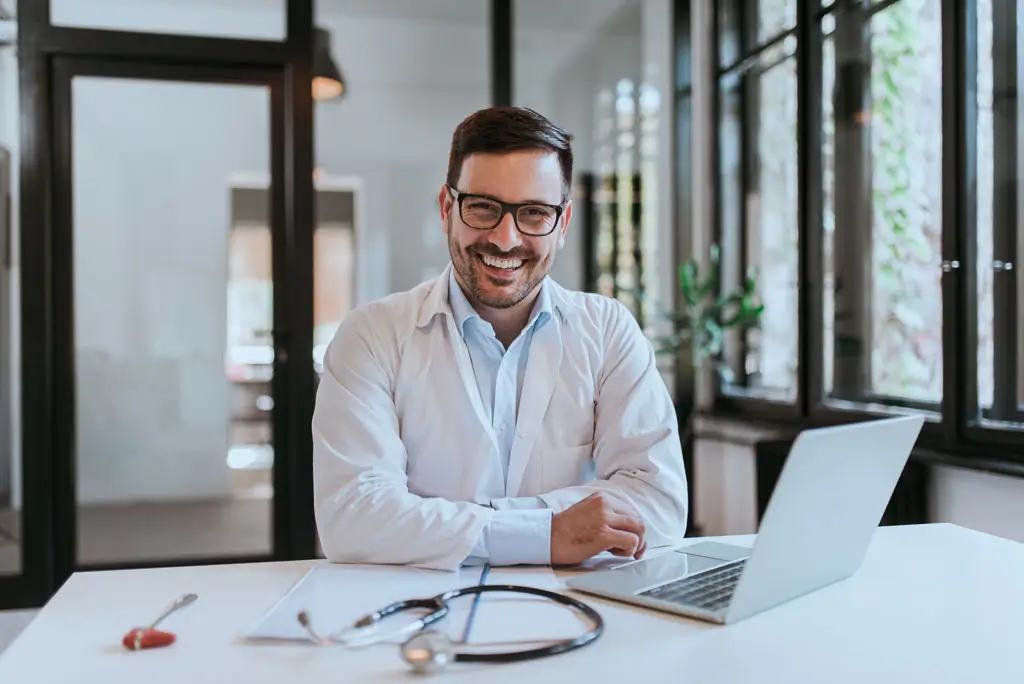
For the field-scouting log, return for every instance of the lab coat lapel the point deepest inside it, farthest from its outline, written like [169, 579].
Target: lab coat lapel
[538, 386]
[465, 366]
[437, 303]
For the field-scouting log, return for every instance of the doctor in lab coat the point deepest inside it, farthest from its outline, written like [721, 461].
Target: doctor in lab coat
[489, 414]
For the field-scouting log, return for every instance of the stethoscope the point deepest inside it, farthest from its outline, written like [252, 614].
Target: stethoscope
[429, 651]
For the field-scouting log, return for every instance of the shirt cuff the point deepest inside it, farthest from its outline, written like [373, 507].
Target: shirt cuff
[515, 537]
[518, 503]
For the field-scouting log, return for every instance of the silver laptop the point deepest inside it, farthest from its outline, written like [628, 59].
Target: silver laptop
[823, 512]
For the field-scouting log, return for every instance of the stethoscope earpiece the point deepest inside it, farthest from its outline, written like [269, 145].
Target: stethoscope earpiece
[428, 652]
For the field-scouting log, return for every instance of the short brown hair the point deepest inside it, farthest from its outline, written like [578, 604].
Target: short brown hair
[508, 129]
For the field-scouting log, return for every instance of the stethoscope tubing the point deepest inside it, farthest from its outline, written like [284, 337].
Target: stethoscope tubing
[438, 605]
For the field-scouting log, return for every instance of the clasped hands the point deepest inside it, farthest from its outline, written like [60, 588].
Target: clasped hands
[598, 523]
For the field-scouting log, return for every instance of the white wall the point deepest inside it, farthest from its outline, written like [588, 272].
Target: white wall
[980, 501]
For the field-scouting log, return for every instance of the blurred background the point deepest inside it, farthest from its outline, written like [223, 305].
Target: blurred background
[197, 192]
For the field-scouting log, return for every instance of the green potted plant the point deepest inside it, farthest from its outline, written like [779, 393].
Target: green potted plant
[705, 315]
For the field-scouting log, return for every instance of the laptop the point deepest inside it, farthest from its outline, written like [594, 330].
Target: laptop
[823, 512]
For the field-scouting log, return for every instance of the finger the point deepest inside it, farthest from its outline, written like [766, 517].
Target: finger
[622, 553]
[628, 523]
[624, 507]
[619, 540]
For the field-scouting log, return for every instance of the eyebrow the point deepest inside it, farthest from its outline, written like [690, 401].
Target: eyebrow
[526, 201]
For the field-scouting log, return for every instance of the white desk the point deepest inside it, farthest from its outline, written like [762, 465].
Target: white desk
[934, 603]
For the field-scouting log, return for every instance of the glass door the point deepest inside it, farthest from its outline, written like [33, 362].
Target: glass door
[173, 332]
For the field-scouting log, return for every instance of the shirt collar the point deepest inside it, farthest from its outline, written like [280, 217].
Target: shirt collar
[464, 312]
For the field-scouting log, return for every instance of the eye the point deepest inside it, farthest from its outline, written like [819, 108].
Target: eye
[479, 205]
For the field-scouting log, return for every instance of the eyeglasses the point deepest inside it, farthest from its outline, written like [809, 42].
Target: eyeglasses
[485, 213]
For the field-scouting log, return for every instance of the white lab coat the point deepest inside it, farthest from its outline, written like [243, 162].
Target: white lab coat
[405, 465]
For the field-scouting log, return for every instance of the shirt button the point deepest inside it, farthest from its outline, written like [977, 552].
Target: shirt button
[503, 426]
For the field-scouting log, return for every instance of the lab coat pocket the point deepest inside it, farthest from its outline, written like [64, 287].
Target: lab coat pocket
[565, 466]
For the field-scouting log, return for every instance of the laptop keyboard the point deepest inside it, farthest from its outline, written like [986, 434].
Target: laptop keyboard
[711, 590]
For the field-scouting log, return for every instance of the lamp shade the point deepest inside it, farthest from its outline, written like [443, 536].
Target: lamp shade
[327, 80]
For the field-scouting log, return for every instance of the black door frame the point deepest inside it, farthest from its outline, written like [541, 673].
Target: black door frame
[49, 57]
[65, 69]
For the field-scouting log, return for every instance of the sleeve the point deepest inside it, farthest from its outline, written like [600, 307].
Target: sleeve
[637, 447]
[364, 510]
[514, 537]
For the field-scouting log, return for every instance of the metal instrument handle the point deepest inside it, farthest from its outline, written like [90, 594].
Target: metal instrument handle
[180, 602]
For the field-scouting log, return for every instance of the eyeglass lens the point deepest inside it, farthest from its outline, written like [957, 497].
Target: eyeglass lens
[482, 213]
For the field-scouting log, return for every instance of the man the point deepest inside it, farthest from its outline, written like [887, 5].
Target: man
[490, 415]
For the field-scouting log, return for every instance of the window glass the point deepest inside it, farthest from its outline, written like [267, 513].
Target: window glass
[882, 157]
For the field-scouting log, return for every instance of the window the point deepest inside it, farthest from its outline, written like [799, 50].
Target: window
[1000, 373]
[867, 161]
[882, 223]
[758, 200]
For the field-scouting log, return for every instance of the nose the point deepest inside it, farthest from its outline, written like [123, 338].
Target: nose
[505, 236]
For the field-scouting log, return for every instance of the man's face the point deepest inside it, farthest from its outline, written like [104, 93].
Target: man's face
[501, 267]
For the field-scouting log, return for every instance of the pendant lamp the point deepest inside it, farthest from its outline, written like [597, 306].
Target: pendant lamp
[328, 83]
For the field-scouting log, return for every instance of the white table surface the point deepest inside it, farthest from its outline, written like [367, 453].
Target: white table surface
[932, 603]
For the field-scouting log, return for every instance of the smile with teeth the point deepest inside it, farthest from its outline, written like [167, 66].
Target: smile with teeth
[506, 264]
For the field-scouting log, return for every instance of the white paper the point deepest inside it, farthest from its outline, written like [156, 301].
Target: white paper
[335, 596]
[511, 621]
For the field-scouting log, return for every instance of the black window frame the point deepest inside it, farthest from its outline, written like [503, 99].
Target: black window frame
[957, 432]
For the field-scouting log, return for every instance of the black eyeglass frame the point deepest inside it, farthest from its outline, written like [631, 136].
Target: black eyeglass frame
[507, 208]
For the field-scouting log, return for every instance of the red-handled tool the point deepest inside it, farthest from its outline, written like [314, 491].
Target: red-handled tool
[150, 637]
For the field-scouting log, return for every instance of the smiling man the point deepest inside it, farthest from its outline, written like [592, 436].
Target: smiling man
[489, 414]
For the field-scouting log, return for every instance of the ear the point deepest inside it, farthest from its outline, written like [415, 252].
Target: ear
[444, 203]
[566, 218]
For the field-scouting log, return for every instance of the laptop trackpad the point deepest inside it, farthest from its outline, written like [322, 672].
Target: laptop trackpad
[686, 560]
[652, 571]
[634, 577]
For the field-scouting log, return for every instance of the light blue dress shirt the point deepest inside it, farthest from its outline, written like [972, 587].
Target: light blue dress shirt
[499, 376]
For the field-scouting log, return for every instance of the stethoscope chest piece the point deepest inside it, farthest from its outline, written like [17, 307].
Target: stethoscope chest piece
[428, 652]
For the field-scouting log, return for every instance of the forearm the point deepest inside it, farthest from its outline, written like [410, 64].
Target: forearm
[373, 518]
[382, 523]
[664, 511]
[658, 492]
